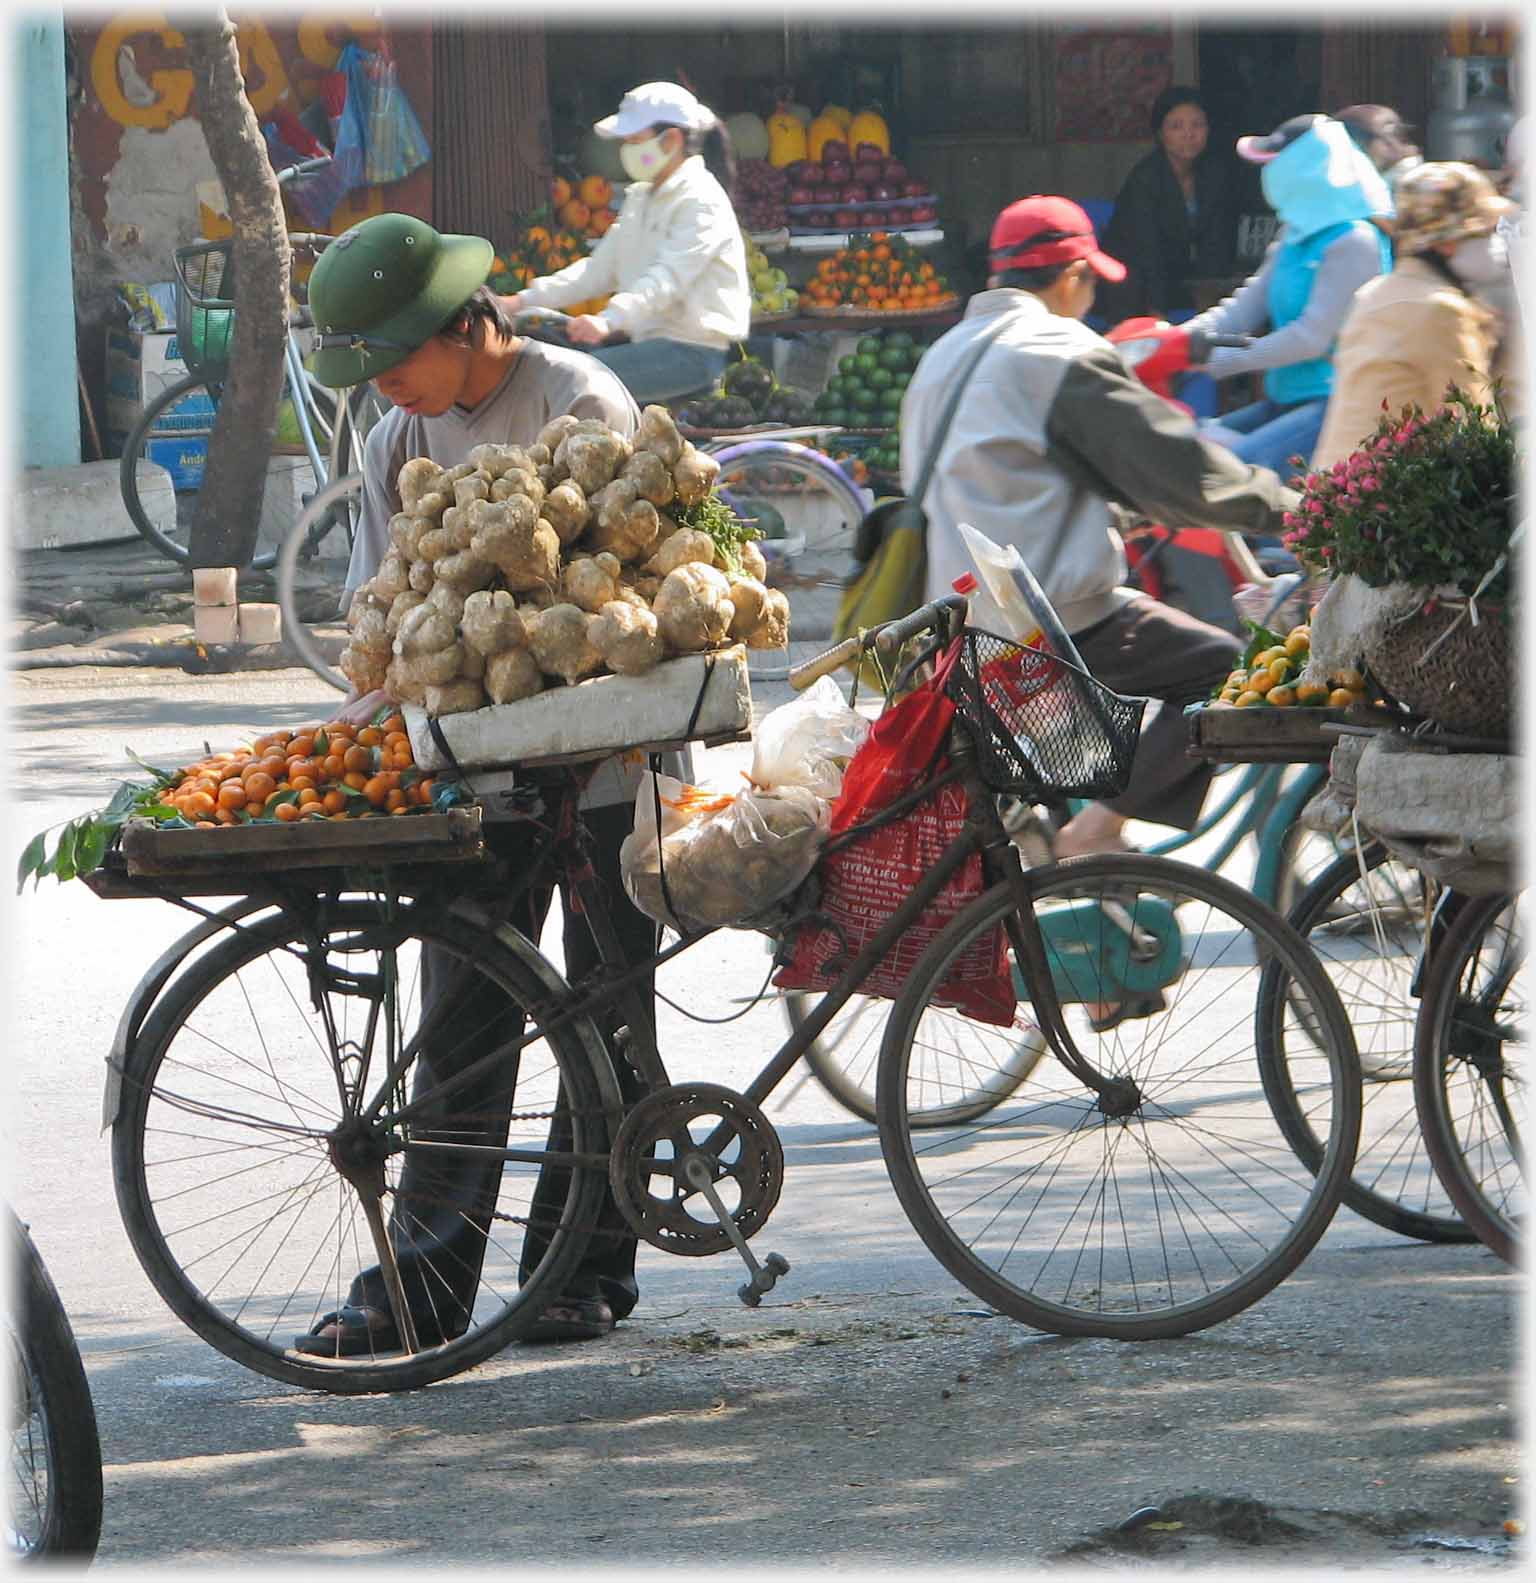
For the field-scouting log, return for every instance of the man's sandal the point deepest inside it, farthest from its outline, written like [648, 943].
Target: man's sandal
[1125, 1010]
[354, 1332]
[573, 1319]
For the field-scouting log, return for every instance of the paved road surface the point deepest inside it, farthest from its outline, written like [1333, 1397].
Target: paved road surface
[868, 1414]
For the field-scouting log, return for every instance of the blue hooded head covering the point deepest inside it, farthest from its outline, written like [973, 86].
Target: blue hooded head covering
[1324, 178]
[1321, 184]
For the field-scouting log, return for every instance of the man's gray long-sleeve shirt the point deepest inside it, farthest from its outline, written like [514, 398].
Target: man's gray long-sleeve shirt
[1050, 430]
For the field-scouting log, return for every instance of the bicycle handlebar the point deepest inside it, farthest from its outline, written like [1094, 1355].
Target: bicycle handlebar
[544, 324]
[891, 637]
[887, 639]
[801, 676]
[291, 173]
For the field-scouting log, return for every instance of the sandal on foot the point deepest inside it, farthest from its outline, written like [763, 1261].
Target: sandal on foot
[1125, 1010]
[573, 1319]
[354, 1332]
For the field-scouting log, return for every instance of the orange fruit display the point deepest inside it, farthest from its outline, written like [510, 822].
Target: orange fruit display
[321, 771]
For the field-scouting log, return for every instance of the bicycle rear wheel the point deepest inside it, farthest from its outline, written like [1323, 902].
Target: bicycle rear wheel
[53, 1496]
[247, 1165]
[806, 506]
[173, 430]
[1469, 1074]
[970, 1072]
[1367, 931]
[1173, 1204]
[312, 573]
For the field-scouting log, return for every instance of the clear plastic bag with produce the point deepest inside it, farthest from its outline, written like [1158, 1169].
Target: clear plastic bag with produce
[699, 859]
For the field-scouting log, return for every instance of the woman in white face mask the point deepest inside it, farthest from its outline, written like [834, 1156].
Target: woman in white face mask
[1412, 333]
[674, 260]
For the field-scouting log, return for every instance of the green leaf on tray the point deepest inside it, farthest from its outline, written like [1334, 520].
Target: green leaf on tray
[33, 858]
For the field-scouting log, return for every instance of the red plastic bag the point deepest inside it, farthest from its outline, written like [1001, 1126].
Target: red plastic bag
[863, 883]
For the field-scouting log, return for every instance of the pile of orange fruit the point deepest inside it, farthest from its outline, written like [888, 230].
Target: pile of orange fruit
[541, 245]
[583, 206]
[1272, 678]
[329, 771]
[880, 273]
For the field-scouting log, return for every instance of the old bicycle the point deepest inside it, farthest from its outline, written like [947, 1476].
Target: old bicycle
[272, 1090]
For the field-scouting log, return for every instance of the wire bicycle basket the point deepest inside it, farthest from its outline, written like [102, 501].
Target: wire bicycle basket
[1041, 725]
[205, 310]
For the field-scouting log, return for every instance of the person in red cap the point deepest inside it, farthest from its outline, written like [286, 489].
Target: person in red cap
[1050, 429]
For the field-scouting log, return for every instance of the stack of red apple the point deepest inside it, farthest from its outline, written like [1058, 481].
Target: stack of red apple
[846, 191]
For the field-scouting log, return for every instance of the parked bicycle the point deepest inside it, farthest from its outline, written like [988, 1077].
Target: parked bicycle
[320, 432]
[287, 1047]
[54, 1487]
[808, 504]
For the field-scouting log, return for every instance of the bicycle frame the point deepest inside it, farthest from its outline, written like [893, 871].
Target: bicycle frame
[983, 833]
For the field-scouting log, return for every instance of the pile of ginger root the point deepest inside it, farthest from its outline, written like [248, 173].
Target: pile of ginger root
[523, 568]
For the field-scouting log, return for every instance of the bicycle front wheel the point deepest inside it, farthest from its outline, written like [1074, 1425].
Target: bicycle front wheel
[1469, 1076]
[308, 1079]
[173, 431]
[312, 574]
[1175, 1201]
[965, 1078]
[53, 1505]
[1367, 930]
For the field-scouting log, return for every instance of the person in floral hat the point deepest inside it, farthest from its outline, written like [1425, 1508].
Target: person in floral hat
[1412, 333]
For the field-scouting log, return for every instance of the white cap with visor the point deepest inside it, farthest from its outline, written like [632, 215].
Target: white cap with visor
[656, 104]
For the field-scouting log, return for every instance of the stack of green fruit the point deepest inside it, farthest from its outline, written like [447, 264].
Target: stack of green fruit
[866, 390]
[771, 290]
[748, 395]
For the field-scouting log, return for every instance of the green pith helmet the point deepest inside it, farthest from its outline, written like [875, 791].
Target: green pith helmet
[384, 288]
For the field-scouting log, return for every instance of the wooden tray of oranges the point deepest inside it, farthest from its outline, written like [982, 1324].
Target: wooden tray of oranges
[1265, 714]
[322, 796]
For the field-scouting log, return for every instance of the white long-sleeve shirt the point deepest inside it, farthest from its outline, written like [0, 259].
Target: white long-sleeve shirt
[674, 261]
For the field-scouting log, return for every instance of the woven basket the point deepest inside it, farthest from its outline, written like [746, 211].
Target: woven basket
[1464, 685]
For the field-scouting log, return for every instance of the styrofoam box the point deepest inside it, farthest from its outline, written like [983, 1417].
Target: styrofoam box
[598, 717]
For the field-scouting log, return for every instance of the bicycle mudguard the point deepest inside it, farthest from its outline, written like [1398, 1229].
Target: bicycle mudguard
[1097, 954]
[147, 991]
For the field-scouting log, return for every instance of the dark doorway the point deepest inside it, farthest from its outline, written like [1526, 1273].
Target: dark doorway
[1252, 79]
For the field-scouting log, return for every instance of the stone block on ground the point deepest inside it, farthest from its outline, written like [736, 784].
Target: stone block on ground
[60, 507]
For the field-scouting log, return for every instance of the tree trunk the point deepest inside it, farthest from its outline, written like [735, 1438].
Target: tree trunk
[229, 503]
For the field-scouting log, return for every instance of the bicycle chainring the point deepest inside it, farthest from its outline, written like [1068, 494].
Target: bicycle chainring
[646, 1167]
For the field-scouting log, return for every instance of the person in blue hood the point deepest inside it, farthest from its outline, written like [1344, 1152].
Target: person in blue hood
[1332, 202]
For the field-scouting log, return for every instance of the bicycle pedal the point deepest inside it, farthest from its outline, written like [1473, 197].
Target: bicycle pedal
[764, 1278]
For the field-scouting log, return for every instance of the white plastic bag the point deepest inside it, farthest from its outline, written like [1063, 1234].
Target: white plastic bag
[725, 859]
[808, 741]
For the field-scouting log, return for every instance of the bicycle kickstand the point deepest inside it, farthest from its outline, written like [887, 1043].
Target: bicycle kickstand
[765, 1275]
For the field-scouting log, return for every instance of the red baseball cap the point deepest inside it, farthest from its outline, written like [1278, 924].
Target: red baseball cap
[1038, 231]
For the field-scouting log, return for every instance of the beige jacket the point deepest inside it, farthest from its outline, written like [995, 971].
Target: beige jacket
[1408, 335]
[674, 261]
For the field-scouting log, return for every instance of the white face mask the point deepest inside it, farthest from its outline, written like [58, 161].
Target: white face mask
[1481, 261]
[641, 161]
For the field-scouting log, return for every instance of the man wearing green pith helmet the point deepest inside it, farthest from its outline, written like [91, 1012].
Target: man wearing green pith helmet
[396, 302]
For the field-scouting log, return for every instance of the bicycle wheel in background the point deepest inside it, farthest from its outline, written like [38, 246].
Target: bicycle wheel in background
[241, 1135]
[54, 1493]
[969, 1072]
[1367, 931]
[311, 577]
[805, 505]
[1469, 1074]
[1177, 1202]
[192, 406]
